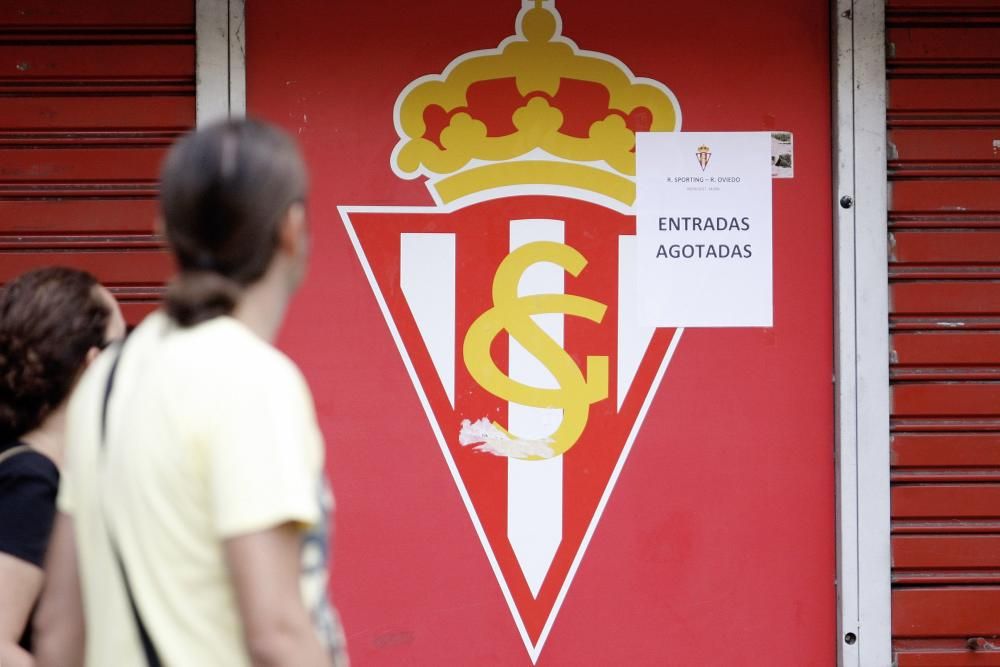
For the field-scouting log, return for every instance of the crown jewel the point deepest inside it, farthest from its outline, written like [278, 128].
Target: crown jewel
[536, 110]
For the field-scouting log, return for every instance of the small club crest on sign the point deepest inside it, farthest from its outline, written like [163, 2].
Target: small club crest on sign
[704, 155]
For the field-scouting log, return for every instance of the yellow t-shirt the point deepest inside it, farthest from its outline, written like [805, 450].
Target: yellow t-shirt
[211, 434]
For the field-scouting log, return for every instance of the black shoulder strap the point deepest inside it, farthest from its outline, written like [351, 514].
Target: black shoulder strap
[152, 657]
[108, 386]
[13, 451]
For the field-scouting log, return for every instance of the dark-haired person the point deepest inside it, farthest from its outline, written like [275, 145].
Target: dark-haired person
[194, 482]
[53, 322]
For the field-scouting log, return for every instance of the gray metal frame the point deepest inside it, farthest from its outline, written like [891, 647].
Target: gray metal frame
[220, 59]
[862, 335]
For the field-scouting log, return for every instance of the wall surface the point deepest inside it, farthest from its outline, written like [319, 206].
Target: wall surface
[716, 543]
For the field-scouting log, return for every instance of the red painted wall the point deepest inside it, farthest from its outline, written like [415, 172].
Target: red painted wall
[717, 545]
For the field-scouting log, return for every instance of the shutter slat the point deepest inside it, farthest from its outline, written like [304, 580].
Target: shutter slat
[946, 399]
[946, 247]
[946, 551]
[49, 13]
[84, 164]
[931, 42]
[77, 216]
[960, 95]
[923, 450]
[946, 348]
[134, 267]
[949, 195]
[945, 297]
[946, 612]
[944, 652]
[935, 501]
[943, 145]
[64, 112]
[158, 57]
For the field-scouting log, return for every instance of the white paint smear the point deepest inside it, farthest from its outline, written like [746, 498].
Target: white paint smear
[492, 440]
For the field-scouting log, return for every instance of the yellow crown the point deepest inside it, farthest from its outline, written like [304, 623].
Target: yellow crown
[703, 149]
[534, 111]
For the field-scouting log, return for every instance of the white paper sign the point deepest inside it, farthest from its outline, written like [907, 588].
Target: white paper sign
[704, 229]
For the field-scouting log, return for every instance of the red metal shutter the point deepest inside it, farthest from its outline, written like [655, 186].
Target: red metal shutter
[944, 223]
[91, 95]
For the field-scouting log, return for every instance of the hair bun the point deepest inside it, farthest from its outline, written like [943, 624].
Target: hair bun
[197, 296]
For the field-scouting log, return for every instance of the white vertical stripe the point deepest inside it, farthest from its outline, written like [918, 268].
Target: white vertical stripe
[427, 278]
[535, 488]
[534, 515]
[633, 334]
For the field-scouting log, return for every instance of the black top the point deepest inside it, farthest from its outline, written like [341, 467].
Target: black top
[28, 485]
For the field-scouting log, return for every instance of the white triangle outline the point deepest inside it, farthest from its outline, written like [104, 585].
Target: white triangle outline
[534, 650]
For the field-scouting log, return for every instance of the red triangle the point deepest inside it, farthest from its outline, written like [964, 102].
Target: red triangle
[481, 232]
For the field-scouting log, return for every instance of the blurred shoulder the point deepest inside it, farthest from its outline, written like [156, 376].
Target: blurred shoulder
[226, 355]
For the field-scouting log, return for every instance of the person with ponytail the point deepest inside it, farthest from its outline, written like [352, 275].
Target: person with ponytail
[53, 323]
[194, 498]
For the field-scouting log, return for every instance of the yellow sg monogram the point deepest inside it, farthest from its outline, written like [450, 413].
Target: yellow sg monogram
[513, 313]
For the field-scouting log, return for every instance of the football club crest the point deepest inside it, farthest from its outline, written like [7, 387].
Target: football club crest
[704, 154]
[513, 298]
